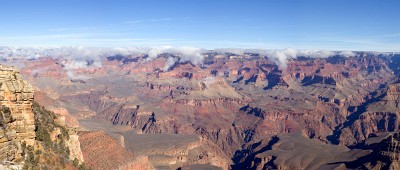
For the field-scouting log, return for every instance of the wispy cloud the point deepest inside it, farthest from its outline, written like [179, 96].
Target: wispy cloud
[148, 20]
[133, 22]
[393, 35]
[281, 56]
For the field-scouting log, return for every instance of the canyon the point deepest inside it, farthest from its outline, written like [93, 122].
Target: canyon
[229, 111]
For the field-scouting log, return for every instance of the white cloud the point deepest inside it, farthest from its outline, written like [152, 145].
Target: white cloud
[183, 54]
[237, 51]
[73, 77]
[170, 62]
[281, 56]
[90, 57]
[347, 54]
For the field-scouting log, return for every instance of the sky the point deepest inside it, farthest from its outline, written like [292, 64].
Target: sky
[372, 25]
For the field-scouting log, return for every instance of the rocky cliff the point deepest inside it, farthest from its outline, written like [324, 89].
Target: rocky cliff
[30, 135]
[17, 125]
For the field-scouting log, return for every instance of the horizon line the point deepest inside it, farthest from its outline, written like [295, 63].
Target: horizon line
[199, 48]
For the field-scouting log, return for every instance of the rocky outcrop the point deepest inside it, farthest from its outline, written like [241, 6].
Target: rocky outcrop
[21, 120]
[169, 151]
[296, 151]
[378, 114]
[72, 142]
[74, 146]
[103, 152]
[383, 150]
[16, 120]
[386, 149]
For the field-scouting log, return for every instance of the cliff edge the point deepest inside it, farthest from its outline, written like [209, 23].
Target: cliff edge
[17, 123]
[31, 136]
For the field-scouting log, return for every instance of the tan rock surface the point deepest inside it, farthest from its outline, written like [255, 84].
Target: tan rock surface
[101, 151]
[17, 121]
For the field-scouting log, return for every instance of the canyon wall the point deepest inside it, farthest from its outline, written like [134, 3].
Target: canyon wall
[17, 124]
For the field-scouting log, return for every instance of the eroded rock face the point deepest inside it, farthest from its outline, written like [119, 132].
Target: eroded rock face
[296, 151]
[17, 124]
[74, 146]
[102, 152]
[17, 121]
[378, 114]
[384, 152]
[73, 141]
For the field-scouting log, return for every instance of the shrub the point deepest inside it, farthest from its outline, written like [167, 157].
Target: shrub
[75, 162]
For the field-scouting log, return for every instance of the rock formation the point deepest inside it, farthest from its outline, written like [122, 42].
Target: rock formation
[20, 122]
[103, 152]
[16, 121]
[149, 151]
[296, 151]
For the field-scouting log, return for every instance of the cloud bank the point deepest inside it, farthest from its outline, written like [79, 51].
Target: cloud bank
[74, 58]
[71, 58]
[236, 51]
[182, 54]
[88, 57]
[282, 56]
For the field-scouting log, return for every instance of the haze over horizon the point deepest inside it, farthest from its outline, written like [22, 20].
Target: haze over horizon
[326, 25]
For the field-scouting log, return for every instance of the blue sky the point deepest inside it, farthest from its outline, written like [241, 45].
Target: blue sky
[269, 24]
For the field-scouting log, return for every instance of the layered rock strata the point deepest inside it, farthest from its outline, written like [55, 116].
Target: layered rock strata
[17, 124]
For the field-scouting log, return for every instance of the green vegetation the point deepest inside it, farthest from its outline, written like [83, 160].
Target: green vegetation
[75, 162]
[30, 161]
[48, 153]
[45, 124]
